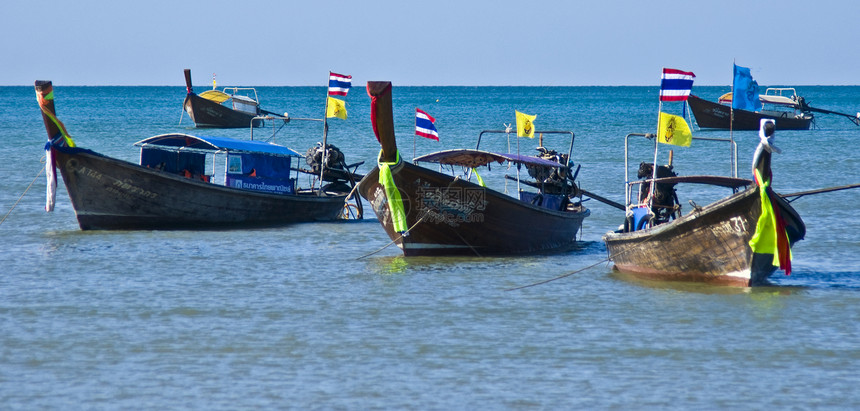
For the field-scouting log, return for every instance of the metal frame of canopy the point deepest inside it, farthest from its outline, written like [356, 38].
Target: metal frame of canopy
[472, 158]
[731, 182]
[224, 144]
[476, 158]
[508, 132]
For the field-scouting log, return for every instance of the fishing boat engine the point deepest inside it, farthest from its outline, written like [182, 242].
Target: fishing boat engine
[665, 205]
[554, 179]
[336, 170]
[334, 158]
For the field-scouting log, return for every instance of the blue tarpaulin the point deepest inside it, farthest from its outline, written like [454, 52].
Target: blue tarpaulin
[208, 143]
[251, 165]
[258, 165]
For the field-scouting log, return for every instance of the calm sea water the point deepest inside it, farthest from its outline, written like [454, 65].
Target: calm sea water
[296, 318]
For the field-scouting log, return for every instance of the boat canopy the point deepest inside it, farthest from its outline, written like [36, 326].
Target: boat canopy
[475, 158]
[215, 95]
[178, 141]
[765, 98]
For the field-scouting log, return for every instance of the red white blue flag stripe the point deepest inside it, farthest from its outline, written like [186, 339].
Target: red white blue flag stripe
[424, 126]
[338, 84]
[676, 85]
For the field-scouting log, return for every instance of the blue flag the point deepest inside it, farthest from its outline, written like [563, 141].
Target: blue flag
[745, 90]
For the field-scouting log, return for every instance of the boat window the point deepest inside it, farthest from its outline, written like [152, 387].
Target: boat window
[234, 164]
[174, 162]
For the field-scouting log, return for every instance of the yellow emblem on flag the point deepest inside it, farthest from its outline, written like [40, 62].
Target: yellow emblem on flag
[674, 130]
[525, 125]
[335, 108]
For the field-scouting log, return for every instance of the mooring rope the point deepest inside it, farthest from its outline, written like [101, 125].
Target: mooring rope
[25, 191]
[395, 240]
[426, 213]
[560, 277]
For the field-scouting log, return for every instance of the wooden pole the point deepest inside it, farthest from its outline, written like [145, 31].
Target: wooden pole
[819, 191]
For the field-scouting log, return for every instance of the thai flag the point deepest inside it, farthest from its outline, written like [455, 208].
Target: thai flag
[424, 126]
[676, 85]
[338, 84]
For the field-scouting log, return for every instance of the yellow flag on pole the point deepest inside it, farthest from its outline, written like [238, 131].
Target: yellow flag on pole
[674, 130]
[335, 108]
[525, 125]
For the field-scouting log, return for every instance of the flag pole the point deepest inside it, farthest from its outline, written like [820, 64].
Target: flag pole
[414, 142]
[733, 165]
[652, 185]
[325, 135]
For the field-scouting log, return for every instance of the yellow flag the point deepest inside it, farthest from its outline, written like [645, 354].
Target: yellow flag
[674, 130]
[335, 108]
[525, 125]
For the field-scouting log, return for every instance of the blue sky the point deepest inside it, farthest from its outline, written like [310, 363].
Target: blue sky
[439, 42]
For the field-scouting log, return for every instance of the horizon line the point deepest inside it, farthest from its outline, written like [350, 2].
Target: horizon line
[437, 85]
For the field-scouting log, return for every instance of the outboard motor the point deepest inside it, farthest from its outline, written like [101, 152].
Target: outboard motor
[665, 196]
[334, 158]
[554, 180]
[336, 172]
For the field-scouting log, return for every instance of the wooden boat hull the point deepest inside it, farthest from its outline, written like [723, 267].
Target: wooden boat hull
[710, 245]
[709, 114]
[209, 114]
[450, 216]
[111, 194]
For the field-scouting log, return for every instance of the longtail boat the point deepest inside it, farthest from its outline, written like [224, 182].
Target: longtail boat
[779, 104]
[179, 184]
[738, 240]
[232, 107]
[430, 213]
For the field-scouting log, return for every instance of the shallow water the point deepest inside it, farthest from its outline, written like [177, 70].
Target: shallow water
[296, 318]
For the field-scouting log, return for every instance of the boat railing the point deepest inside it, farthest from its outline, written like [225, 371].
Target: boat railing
[507, 132]
[540, 133]
[234, 91]
[780, 91]
[628, 185]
